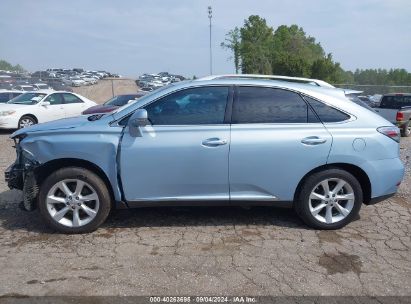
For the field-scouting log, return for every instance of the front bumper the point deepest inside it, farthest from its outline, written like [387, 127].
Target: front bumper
[8, 122]
[14, 176]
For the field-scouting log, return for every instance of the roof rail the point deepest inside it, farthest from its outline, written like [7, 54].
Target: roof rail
[316, 82]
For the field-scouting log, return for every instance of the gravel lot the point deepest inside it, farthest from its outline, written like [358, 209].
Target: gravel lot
[207, 251]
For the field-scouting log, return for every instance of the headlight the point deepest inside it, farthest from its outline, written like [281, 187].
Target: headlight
[6, 113]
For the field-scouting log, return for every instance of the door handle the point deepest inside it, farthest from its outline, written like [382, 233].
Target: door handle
[313, 140]
[214, 142]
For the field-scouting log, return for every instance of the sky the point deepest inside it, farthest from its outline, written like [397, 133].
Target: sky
[131, 37]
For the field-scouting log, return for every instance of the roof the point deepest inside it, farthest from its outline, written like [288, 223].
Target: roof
[42, 91]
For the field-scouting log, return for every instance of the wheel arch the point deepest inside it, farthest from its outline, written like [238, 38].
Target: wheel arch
[356, 171]
[30, 115]
[44, 170]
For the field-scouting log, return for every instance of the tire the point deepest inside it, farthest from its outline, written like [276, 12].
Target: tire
[26, 121]
[406, 129]
[74, 191]
[341, 212]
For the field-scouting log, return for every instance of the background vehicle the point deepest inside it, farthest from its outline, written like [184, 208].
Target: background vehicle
[369, 101]
[6, 95]
[40, 86]
[40, 106]
[26, 88]
[396, 108]
[114, 103]
[224, 141]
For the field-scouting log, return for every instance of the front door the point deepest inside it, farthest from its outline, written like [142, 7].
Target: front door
[183, 154]
[275, 140]
[53, 111]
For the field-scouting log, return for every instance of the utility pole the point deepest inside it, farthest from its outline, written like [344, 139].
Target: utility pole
[210, 15]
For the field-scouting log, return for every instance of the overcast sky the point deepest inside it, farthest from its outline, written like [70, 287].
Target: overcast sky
[131, 37]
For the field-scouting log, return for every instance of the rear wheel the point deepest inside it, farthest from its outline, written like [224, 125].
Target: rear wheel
[74, 200]
[406, 130]
[26, 121]
[329, 199]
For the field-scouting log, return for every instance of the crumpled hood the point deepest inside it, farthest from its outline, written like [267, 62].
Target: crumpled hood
[65, 123]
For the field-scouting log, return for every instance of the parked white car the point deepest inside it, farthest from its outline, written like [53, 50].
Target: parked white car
[40, 106]
[41, 86]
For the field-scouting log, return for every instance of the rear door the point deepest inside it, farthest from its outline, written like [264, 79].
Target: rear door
[275, 140]
[73, 105]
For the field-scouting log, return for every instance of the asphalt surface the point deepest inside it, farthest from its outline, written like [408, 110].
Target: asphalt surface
[207, 251]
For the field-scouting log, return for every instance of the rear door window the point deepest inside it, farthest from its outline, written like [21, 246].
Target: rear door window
[70, 98]
[270, 105]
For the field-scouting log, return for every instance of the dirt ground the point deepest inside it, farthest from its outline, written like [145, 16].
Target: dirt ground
[107, 88]
[207, 251]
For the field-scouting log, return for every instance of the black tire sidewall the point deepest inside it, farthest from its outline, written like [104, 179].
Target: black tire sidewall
[87, 176]
[301, 205]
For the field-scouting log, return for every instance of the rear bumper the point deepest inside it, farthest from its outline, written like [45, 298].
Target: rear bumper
[385, 176]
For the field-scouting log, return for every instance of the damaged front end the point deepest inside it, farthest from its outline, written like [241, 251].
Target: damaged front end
[21, 175]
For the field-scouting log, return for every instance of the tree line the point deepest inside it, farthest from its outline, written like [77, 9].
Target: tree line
[6, 66]
[257, 48]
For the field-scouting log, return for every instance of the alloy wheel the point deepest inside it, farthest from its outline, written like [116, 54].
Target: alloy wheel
[72, 203]
[26, 122]
[331, 200]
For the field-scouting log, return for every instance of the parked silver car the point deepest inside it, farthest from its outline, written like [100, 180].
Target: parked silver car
[226, 141]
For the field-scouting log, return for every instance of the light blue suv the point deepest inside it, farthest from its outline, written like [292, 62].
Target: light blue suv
[223, 141]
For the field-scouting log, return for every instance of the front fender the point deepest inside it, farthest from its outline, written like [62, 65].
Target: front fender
[99, 149]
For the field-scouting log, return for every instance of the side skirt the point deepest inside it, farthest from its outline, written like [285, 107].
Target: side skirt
[203, 203]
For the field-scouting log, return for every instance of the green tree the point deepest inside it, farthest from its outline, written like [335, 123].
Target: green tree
[328, 70]
[255, 46]
[232, 42]
[6, 66]
[293, 52]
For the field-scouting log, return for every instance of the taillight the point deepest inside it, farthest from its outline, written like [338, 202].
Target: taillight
[400, 116]
[391, 132]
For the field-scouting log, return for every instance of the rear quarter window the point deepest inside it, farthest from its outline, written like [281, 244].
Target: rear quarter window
[325, 112]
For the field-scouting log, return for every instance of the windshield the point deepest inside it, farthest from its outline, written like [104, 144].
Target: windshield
[121, 100]
[42, 86]
[28, 98]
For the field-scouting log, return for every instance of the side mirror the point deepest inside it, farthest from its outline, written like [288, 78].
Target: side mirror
[45, 103]
[137, 120]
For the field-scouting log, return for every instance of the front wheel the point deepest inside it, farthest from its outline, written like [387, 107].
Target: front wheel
[329, 199]
[74, 200]
[26, 121]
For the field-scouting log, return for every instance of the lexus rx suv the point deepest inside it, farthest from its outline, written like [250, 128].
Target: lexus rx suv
[226, 141]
